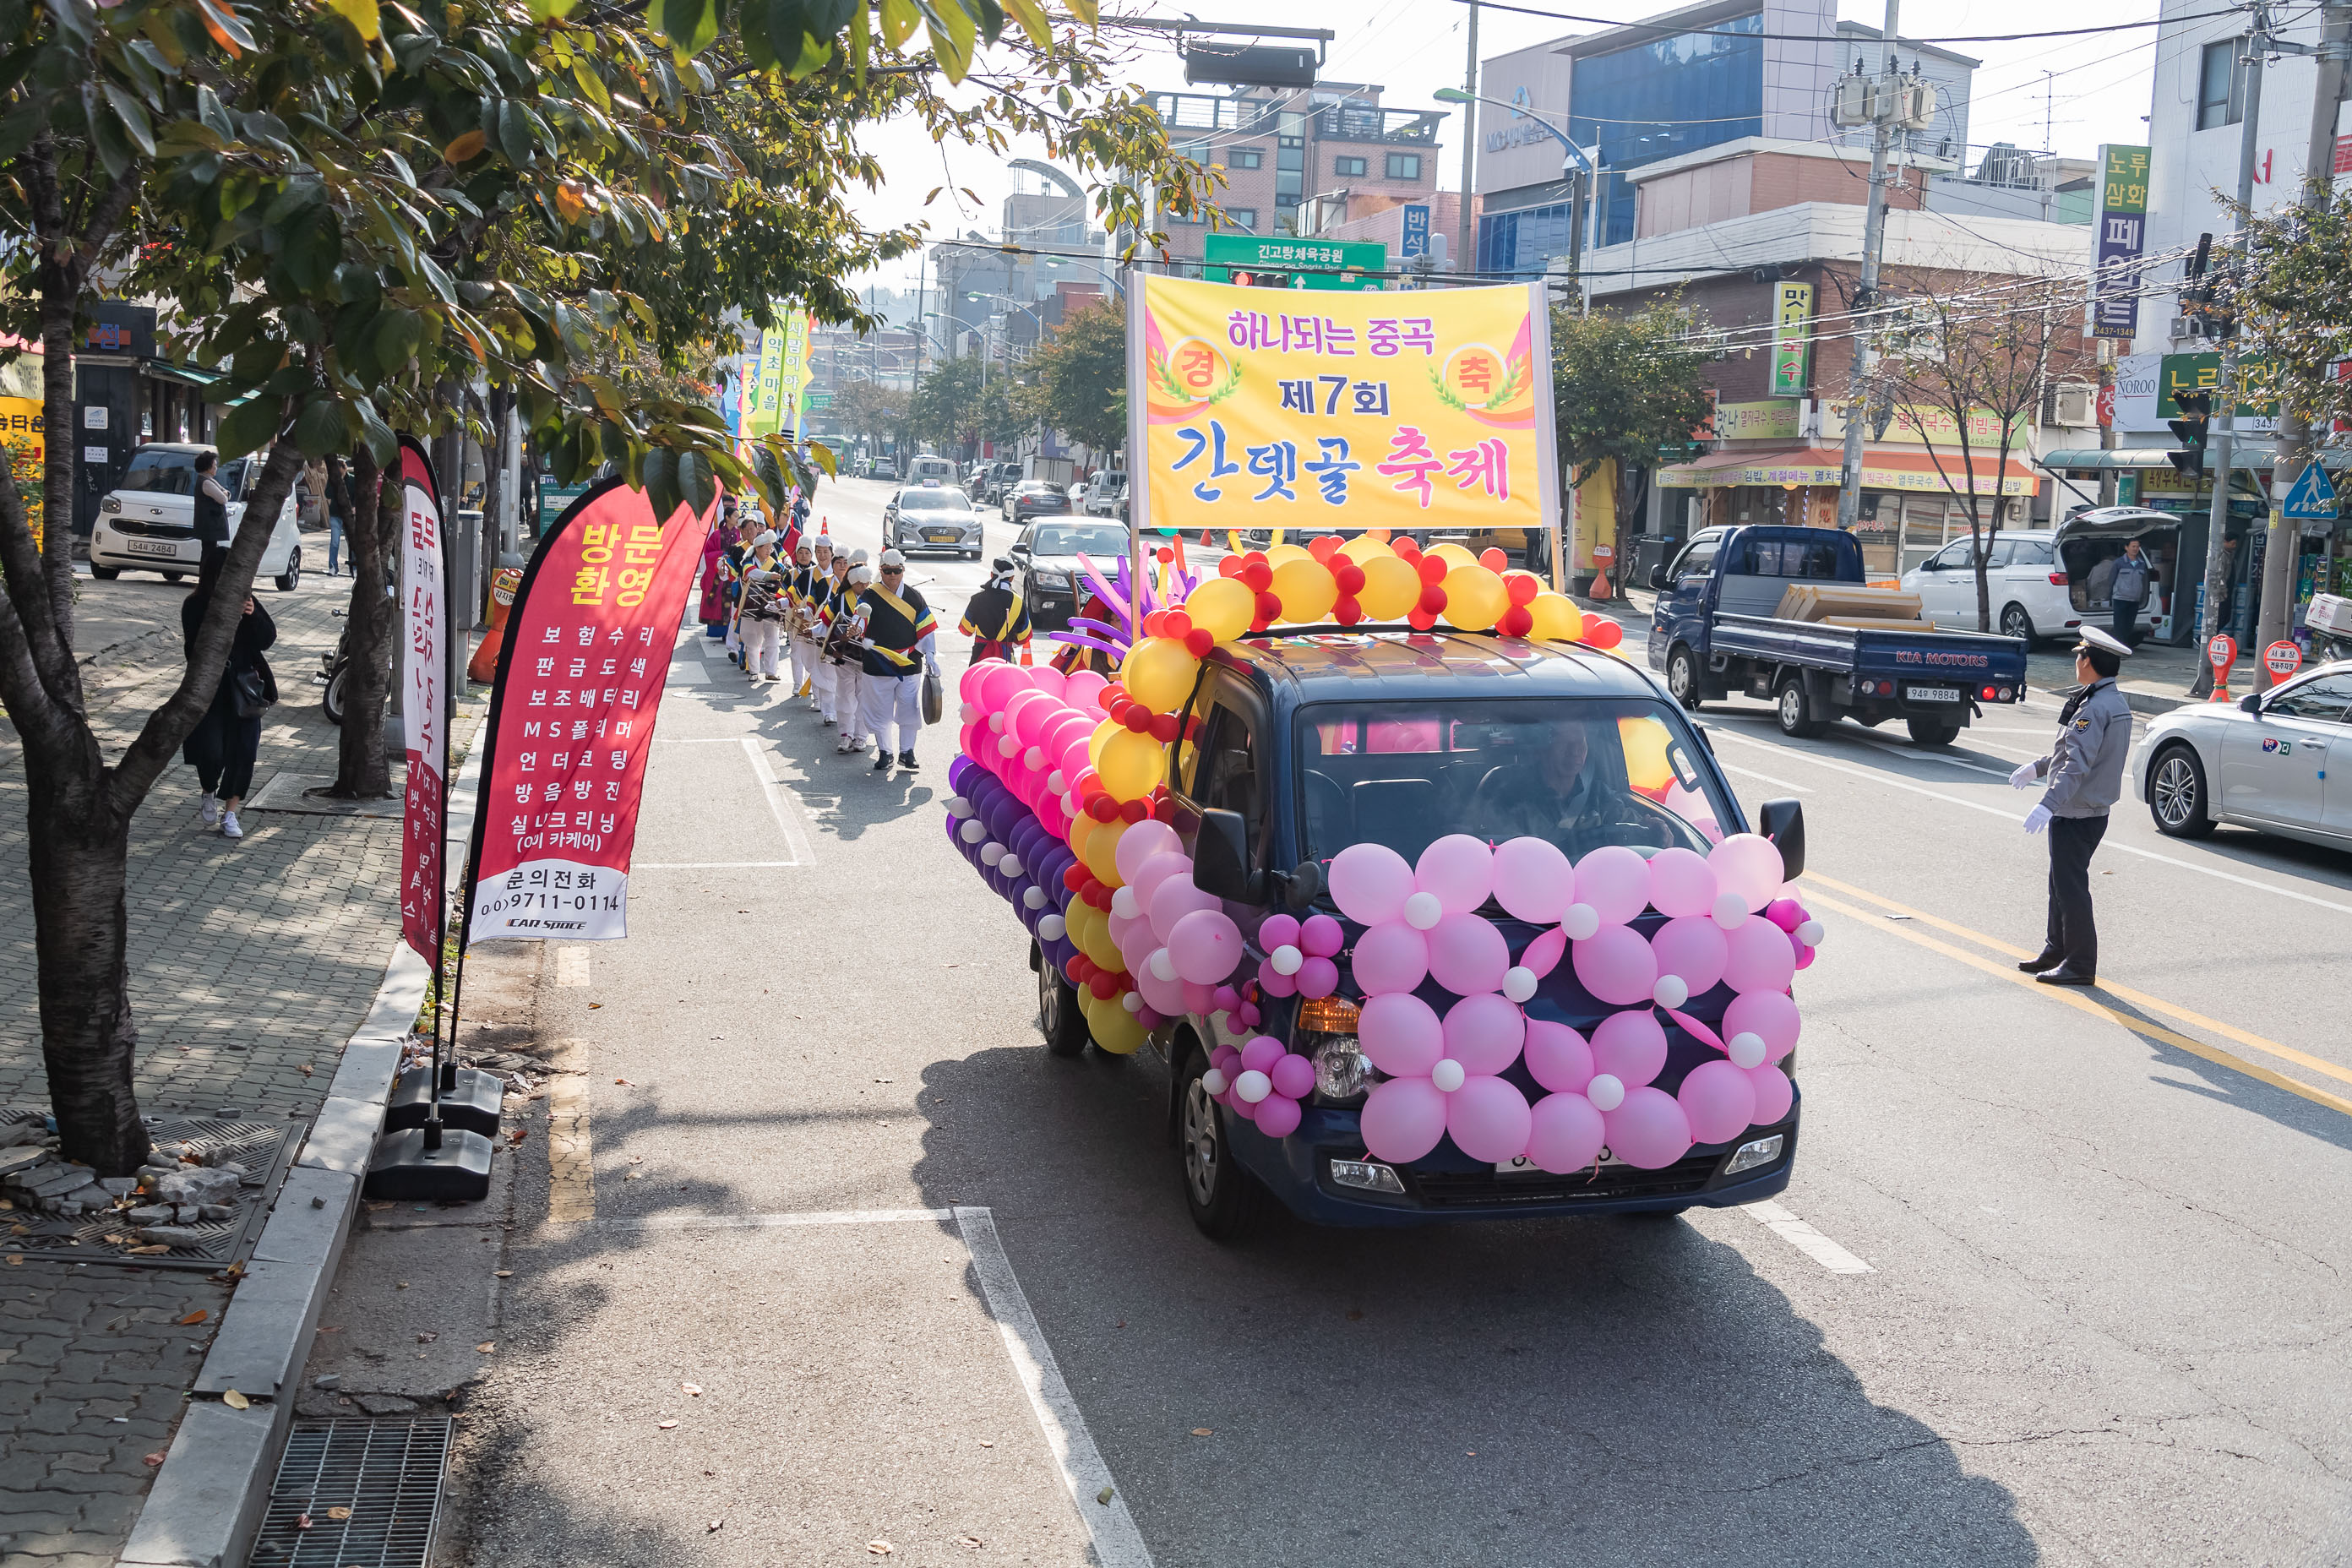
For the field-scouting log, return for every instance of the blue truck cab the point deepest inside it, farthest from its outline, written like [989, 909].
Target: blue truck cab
[1309, 742]
[1715, 631]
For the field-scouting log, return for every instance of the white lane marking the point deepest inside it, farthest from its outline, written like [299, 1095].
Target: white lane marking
[572, 966]
[775, 1221]
[1893, 782]
[787, 819]
[1116, 1542]
[1768, 778]
[1805, 1239]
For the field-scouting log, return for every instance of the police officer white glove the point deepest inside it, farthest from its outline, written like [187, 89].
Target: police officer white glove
[2026, 775]
[2037, 819]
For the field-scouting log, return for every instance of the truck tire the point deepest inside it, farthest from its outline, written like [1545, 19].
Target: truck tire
[1794, 710]
[1932, 732]
[1682, 677]
[1058, 1017]
[1224, 1200]
[2176, 794]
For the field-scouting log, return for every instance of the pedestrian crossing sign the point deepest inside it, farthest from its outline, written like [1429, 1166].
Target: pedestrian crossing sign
[2313, 496]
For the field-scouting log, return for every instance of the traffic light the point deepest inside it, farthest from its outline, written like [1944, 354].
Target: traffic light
[2196, 408]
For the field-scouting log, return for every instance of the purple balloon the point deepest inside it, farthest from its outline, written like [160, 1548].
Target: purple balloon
[1564, 1134]
[1403, 1119]
[958, 770]
[1468, 954]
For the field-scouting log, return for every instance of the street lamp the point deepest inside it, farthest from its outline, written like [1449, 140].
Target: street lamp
[1575, 168]
[1109, 277]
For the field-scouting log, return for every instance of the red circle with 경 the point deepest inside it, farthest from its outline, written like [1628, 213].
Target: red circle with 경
[1198, 641]
[1431, 569]
[2282, 660]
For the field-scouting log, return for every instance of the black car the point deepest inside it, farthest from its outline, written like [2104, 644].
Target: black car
[1051, 578]
[1034, 498]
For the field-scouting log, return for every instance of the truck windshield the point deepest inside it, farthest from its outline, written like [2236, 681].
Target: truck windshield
[1581, 772]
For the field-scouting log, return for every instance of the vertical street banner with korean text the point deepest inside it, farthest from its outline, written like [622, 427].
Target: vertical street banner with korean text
[572, 717]
[2119, 231]
[1425, 410]
[424, 696]
[1792, 339]
[792, 383]
[763, 375]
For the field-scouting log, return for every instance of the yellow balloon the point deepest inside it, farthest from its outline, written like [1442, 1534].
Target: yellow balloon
[1102, 851]
[1364, 547]
[1082, 920]
[1390, 587]
[1101, 949]
[1280, 555]
[1645, 741]
[1130, 766]
[1114, 1028]
[1454, 555]
[1306, 589]
[1098, 740]
[1159, 674]
[1474, 598]
[1082, 828]
[1557, 620]
[1223, 606]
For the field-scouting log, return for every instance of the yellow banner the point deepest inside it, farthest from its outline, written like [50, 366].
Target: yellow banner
[1264, 408]
[24, 432]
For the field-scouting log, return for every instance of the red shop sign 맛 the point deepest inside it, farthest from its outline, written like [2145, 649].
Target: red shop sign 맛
[572, 719]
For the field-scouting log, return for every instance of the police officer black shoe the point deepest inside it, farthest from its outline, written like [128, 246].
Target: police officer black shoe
[2048, 960]
[907, 761]
[2062, 975]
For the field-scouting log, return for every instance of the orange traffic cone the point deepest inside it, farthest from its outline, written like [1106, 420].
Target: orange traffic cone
[484, 666]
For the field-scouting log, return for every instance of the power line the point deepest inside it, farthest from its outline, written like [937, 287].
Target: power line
[1663, 30]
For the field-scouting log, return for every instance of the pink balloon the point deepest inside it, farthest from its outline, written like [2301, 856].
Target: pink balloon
[1274, 983]
[1691, 946]
[1226, 1000]
[1541, 956]
[1226, 1060]
[999, 682]
[1322, 937]
[1370, 882]
[1205, 946]
[1048, 680]
[1558, 1057]
[1786, 913]
[1487, 1119]
[1260, 1052]
[1774, 1094]
[1240, 1107]
[968, 684]
[1484, 1034]
[1770, 1016]
[1173, 899]
[1154, 871]
[1400, 1034]
[1615, 881]
[1026, 713]
[1275, 931]
[1293, 1075]
[1197, 998]
[1681, 883]
[1805, 956]
[1718, 1100]
[1761, 958]
[1533, 880]
[1166, 995]
[1649, 1131]
[1391, 957]
[1616, 965]
[1277, 1117]
[1630, 1046]
[1564, 1134]
[1083, 689]
[1073, 761]
[1316, 977]
[1459, 869]
[1748, 865]
[1142, 842]
[1403, 1119]
[1468, 954]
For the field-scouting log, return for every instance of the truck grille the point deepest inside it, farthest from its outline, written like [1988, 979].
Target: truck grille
[1485, 1189]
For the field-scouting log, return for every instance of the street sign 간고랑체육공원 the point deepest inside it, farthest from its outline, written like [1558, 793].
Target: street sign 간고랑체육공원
[1346, 265]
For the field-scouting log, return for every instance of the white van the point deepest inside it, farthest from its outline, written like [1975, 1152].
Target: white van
[928, 466]
[148, 521]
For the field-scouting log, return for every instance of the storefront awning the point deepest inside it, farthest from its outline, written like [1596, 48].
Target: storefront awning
[2255, 461]
[1883, 468]
[185, 375]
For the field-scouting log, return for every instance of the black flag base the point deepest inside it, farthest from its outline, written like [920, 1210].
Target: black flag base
[412, 1166]
[472, 1102]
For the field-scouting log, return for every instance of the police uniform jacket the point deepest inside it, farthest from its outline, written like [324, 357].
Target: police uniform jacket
[893, 630]
[2085, 769]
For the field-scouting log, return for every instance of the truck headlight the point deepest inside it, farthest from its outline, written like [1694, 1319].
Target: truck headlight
[1343, 1074]
[1754, 1153]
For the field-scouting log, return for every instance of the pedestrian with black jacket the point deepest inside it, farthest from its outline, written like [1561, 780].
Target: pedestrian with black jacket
[211, 507]
[226, 742]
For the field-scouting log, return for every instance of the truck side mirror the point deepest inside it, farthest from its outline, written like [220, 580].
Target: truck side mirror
[1783, 822]
[1221, 858]
[1658, 578]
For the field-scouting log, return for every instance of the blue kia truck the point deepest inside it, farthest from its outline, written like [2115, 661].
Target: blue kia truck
[1309, 742]
[1715, 632]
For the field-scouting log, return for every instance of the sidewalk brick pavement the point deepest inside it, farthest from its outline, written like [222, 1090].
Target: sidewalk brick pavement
[251, 960]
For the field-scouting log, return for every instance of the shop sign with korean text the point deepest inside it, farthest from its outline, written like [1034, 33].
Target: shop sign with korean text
[1422, 410]
[1792, 339]
[424, 701]
[579, 680]
[1327, 265]
[2120, 229]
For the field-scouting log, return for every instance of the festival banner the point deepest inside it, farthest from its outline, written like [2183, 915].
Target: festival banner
[763, 386]
[572, 719]
[1260, 409]
[424, 680]
[793, 382]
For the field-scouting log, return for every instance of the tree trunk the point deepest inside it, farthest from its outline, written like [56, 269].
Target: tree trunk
[364, 767]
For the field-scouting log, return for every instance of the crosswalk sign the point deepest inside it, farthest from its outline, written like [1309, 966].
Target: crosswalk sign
[2313, 496]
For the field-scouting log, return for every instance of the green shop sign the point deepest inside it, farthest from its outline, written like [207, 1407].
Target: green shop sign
[1331, 265]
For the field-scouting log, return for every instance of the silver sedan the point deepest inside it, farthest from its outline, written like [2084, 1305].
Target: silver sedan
[2260, 762]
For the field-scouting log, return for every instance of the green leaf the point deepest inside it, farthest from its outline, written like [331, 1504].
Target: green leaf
[114, 149]
[382, 443]
[898, 20]
[953, 32]
[583, 71]
[861, 42]
[397, 333]
[216, 118]
[1085, 11]
[17, 130]
[550, 10]
[514, 133]
[990, 17]
[695, 482]
[249, 426]
[133, 115]
[319, 430]
[689, 27]
[1033, 21]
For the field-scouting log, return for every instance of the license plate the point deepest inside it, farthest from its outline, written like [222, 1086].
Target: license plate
[152, 547]
[1934, 693]
[1523, 1167]
[940, 536]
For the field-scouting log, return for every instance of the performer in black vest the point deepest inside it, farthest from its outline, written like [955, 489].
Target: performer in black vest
[995, 619]
[899, 636]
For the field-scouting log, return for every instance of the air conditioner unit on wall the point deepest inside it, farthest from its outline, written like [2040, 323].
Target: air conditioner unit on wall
[2077, 406]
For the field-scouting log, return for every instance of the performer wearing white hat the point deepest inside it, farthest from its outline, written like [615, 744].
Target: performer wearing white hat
[900, 637]
[2084, 772]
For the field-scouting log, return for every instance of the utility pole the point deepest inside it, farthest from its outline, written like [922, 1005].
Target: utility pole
[1469, 254]
[2282, 550]
[1884, 99]
[2224, 442]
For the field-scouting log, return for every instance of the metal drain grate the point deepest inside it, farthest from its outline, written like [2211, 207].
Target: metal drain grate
[264, 1148]
[382, 1478]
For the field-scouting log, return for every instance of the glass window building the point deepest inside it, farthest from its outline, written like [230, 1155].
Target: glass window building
[1654, 101]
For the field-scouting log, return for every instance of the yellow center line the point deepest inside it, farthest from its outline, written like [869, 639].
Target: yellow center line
[2137, 999]
[2084, 1001]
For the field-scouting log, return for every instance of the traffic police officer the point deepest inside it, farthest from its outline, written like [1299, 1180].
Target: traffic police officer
[995, 619]
[2085, 774]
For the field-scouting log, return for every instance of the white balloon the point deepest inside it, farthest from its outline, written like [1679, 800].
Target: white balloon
[1285, 959]
[1423, 911]
[1447, 1074]
[973, 831]
[1132, 1001]
[1253, 1086]
[1007, 745]
[1070, 804]
[1163, 967]
[996, 722]
[968, 711]
[1052, 928]
[1215, 1081]
[991, 853]
[1730, 911]
[1032, 897]
[1519, 982]
[1125, 904]
[1607, 1091]
[1034, 757]
[1056, 783]
[1748, 1049]
[1811, 933]
[1670, 990]
[958, 806]
[1581, 921]
[1009, 865]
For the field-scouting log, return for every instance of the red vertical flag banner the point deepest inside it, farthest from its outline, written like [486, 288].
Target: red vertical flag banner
[424, 676]
[587, 650]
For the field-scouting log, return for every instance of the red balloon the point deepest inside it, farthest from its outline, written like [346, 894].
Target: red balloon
[1151, 622]
[1175, 624]
[1431, 569]
[1493, 560]
[1257, 577]
[1163, 809]
[1522, 590]
[1406, 547]
[1102, 985]
[1606, 634]
[1227, 566]
[1166, 727]
[1517, 621]
[1192, 727]
[1349, 577]
[1133, 811]
[1420, 620]
[1324, 547]
[1198, 641]
[1137, 718]
[1078, 968]
[1347, 612]
[1102, 808]
[1269, 608]
[1433, 598]
[1076, 878]
[1261, 623]
[1167, 556]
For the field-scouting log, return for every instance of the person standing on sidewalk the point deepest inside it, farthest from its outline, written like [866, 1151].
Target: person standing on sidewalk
[338, 513]
[845, 633]
[899, 639]
[2084, 772]
[2129, 591]
[833, 598]
[226, 742]
[211, 508]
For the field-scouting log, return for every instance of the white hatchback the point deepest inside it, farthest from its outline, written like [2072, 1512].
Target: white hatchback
[148, 521]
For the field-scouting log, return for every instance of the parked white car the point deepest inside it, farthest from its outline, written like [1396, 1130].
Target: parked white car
[2260, 762]
[2032, 578]
[148, 521]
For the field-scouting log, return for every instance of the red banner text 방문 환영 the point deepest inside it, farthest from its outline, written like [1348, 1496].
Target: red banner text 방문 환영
[572, 719]
[424, 674]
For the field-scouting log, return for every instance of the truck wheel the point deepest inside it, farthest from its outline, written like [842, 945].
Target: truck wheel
[2176, 794]
[1226, 1201]
[1058, 1018]
[1681, 677]
[1932, 732]
[1794, 713]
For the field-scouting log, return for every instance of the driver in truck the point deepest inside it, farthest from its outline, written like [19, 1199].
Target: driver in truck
[1554, 798]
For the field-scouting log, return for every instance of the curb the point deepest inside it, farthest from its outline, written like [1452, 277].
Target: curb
[208, 1500]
